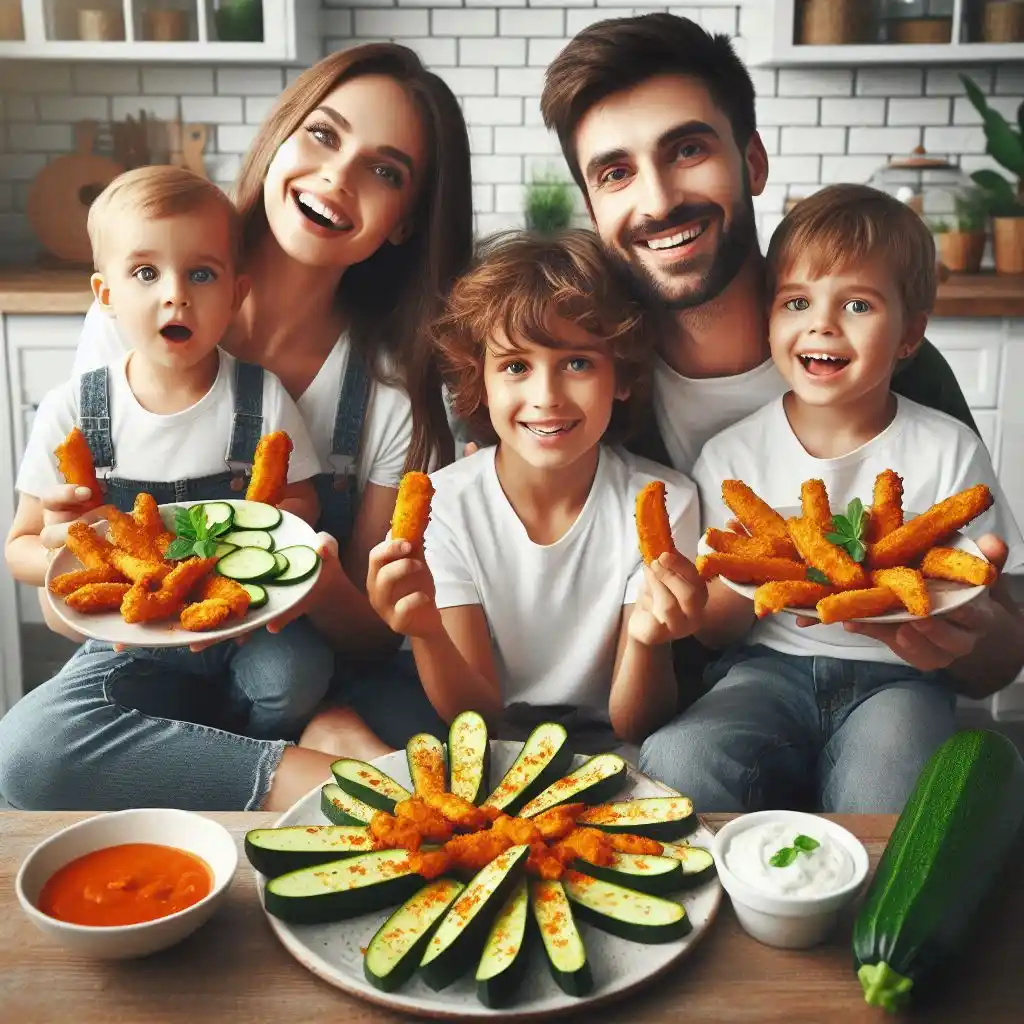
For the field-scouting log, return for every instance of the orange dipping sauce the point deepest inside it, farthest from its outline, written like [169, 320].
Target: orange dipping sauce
[126, 884]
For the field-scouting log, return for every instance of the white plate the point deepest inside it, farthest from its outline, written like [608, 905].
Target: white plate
[110, 627]
[945, 594]
[333, 951]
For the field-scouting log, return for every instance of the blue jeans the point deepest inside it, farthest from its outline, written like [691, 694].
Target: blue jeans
[114, 730]
[781, 730]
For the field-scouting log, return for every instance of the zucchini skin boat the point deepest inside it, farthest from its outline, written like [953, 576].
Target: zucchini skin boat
[543, 758]
[944, 856]
[469, 757]
[656, 817]
[276, 851]
[565, 953]
[506, 951]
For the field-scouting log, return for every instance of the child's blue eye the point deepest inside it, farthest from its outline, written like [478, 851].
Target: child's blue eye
[858, 306]
[797, 305]
[578, 364]
[516, 367]
[202, 275]
[145, 274]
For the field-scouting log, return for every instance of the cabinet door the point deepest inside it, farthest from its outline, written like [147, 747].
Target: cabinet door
[973, 348]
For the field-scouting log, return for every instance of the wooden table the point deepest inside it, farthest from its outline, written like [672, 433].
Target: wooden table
[234, 969]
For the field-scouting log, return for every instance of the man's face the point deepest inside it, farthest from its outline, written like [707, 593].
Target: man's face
[668, 188]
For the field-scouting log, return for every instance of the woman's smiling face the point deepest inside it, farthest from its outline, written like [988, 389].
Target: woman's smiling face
[348, 178]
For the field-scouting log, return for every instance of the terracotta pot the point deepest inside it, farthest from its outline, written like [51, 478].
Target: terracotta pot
[961, 251]
[833, 22]
[1008, 244]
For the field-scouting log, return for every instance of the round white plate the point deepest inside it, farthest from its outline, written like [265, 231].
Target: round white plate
[945, 594]
[110, 627]
[333, 952]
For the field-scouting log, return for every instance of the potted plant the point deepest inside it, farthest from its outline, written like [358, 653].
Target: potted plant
[1004, 197]
[548, 205]
[961, 240]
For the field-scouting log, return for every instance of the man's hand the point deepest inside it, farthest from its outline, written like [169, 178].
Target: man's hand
[401, 589]
[670, 603]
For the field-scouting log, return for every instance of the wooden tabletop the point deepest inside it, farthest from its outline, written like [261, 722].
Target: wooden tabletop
[234, 969]
[981, 295]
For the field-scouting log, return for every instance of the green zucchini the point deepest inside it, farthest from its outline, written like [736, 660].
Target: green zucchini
[223, 549]
[641, 871]
[425, 756]
[633, 915]
[247, 565]
[545, 755]
[218, 512]
[276, 851]
[342, 888]
[698, 863]
[302, 562]
[566, 954]
[257, 595]
[944, 856]
[369, 784]
[342, 808]
[469, 757]
[254, 515]
[658, 817]
[504, 958]
[458, 938]
[395, 950]
[249, 539]
[594, 781]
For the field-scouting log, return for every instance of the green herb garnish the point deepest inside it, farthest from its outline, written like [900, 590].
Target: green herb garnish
[193, 535]
[817, 576]
[848, 531]
[784, 857]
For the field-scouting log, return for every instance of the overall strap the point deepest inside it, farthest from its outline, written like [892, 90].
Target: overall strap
[353, 399]
[247, 420]
[94, 416]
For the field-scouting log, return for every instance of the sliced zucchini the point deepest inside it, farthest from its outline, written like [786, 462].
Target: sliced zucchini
[395, 951]
[566, 954]
[369, 784]
[342, 888]
[282, 564]
[276, 851]
[658, 817]
[503, 961]
[255, 515]
[302, 563]
[469, 756]
[249, 539]
[247, 565]
[218, 512]
[257, 595]
[545, 755]
[223, 549]
[698, 863]
[632, 915]
[344, 809]
[425, 755]
[594, 781]
[452, 947]
[641, 871]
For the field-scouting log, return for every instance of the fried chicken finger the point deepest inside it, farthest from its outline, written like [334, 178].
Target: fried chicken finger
[825, 556]
[270, 468]
[773, 597]
[92, 550]
[908, 585]
[886, 506]
[814, 504]
[69, 582]
[756, 515]
[958, 566]
[857, 604]
[653, 530]
[97, 597]
[412, 508]
[74, 460]
[728, 543]
[741, 569]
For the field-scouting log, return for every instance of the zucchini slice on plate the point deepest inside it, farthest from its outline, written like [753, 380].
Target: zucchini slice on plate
[469, 757]
[503, 961]
[223, 549]
[257, 595]
[281, 567]
[218, 512]
[246, 565]
[594, 781]
[249, 539]
[344, 809]
[425, 755]
[637, 916]
[254, 515]
[566, 954]
[455, 943]
[658, 817]
[342, 888]
[698, 863]
[302, 562]
[276, 851]
[394, 952]
[368, 784]
[640, 871]
[545, 755]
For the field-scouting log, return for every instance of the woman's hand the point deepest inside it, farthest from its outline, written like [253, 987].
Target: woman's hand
[63, 505]
[670, 603]
[331, 574]
[401, 589]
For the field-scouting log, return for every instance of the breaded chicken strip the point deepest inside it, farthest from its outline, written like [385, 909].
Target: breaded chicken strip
[770, 598]
[97, 597]
[756, 515]
[69, 582]
[814, 504]
[908, 585]
[857, 604]
[958, 566]
[825, 556]
[741, 569]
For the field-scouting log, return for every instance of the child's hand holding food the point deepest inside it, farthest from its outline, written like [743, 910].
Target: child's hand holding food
[670, 602]
[401, 589]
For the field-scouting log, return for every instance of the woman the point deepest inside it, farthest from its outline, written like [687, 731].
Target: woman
[356, 202]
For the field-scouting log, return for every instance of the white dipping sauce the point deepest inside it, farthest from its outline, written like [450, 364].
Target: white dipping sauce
[825, 869]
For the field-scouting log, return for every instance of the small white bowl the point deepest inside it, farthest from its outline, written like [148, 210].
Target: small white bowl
[166, 826]
[783, 920]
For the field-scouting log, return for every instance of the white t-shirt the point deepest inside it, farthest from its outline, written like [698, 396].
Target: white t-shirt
[387, 429]
[690, 412]
[182, 446]
[936, 455]
[554, 610]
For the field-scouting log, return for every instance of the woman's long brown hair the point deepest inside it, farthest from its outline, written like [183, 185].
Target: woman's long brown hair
[389, 299]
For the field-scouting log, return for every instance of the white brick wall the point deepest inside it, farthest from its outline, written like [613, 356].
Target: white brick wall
[819, 125]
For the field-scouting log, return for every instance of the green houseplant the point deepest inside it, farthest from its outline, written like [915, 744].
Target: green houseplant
[1005, 196]
[961, 238]
[548, 205]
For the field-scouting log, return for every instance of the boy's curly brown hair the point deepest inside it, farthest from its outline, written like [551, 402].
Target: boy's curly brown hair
[517, 282]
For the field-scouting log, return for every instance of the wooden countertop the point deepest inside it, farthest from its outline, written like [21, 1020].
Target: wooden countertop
[37, 290]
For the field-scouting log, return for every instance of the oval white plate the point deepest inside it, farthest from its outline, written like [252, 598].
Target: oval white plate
[110, 627]
[333, 952]
[945, 595]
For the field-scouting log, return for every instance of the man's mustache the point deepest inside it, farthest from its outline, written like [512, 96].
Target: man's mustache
[685, 213]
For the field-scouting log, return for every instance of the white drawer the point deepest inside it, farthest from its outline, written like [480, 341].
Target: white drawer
[38, 370]
[973, 349]
[28, 331]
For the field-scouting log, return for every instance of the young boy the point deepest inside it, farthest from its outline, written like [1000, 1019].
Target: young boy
[531, 601]
[177, 418]
[831, 713]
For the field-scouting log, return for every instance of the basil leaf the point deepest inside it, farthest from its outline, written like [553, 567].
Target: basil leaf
[817, 576]
[179, 548]
[218, 528]
[838, 539]
[855, 513]
[856, 550]
[783, 858]
[842, 525]
[198, 516]
[206, 548]
[806, 843]
[182, 523]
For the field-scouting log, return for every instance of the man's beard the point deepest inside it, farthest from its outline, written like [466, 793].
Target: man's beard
[737, 242]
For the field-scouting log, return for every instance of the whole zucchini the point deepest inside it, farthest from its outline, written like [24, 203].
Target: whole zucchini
[943, 857]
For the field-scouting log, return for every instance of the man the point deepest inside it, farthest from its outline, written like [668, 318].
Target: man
[657, 123]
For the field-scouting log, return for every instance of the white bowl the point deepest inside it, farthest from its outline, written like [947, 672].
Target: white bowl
[166, 826]
[786, 920]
